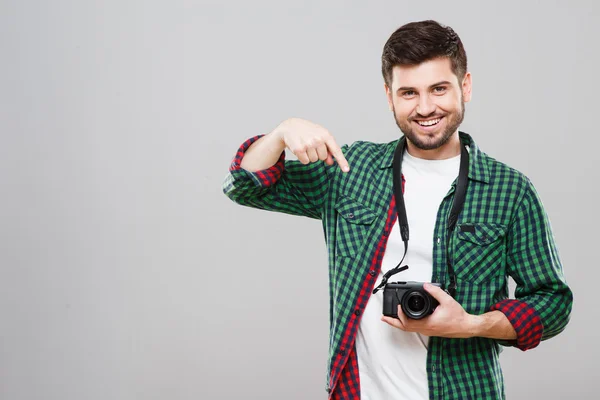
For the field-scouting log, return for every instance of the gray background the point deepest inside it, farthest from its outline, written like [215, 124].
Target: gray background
[125, 273]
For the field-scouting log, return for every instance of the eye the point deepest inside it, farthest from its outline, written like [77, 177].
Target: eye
[439, 89]
[408, 93]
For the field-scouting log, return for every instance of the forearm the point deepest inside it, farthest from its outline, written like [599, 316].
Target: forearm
[263, 153]
[493, 325]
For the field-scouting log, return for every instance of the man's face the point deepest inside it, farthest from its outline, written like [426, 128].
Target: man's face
[428, 102]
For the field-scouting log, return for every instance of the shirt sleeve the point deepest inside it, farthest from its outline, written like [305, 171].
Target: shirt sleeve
[288, 186]
[543, 300]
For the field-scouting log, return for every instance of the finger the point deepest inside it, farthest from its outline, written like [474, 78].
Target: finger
[402, 317]
[329, 160]
[312, 155]
[322, 152]
[302, 157]
[410, 324]
[336, 152]
[393, 322]
[438, 293]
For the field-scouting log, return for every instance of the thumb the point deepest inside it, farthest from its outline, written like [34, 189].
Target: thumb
[438, 293]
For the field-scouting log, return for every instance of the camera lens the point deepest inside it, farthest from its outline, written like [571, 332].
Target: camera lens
[416, 303]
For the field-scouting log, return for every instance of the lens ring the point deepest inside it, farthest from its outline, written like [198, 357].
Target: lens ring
[415, 305]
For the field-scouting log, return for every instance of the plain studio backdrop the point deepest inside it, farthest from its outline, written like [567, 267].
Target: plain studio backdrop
[125, 273]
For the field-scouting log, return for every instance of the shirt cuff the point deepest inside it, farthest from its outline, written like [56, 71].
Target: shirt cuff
[265, 177]
[525, 320]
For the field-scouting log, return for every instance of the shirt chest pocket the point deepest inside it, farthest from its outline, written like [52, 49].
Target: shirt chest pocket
[354, 222]
[479, 252]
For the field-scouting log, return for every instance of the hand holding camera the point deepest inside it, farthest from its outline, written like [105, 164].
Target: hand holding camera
[413, 299]
[449, 318]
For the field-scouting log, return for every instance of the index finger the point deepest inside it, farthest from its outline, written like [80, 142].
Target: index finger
[336, 152]
[438, 293]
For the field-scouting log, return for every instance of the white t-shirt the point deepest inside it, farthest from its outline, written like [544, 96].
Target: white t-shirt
[391, 362]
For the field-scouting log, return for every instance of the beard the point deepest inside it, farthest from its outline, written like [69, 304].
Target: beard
[431, 141]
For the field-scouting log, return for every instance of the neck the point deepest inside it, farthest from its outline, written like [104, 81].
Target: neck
[448, 150]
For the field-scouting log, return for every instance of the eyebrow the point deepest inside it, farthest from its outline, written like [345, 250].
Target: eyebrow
[404, 88]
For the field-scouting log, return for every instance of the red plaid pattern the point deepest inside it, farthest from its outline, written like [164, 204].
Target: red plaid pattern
[266, 177]
[525, 320]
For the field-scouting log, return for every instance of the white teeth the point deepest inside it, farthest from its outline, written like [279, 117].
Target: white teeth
[429, 123]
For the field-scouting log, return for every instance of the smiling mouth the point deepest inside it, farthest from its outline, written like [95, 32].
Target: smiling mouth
[429, 122]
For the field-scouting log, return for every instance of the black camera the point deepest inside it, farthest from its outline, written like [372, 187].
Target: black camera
[415, 301]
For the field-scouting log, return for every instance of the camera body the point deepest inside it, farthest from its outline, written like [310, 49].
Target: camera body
[415, 301]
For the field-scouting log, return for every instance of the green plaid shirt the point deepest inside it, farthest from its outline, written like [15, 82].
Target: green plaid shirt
[508, 234]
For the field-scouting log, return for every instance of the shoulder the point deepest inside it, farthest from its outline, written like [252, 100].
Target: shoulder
[509, 180]
[366, 151]
[366, 145]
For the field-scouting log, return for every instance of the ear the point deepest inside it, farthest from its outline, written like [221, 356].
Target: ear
[466, 87]
[388, 93]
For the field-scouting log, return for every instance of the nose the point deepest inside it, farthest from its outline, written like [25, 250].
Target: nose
[426, 106]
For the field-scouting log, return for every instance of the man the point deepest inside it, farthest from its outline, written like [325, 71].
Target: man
[501, 231]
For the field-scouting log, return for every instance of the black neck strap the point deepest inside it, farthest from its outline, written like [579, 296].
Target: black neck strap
[457, 205]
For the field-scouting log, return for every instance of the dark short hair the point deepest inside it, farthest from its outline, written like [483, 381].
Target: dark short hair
[417, 42]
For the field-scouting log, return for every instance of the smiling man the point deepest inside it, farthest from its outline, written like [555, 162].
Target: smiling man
[473, 222]
[429, 114]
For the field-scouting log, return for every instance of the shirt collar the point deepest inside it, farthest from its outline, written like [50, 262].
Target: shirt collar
[478, 167]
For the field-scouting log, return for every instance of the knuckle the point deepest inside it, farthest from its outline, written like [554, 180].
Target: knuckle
[314, 142]
[299, 148]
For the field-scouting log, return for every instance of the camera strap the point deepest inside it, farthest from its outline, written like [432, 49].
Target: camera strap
[457, 205]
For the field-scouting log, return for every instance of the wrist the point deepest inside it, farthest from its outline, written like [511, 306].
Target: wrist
[279, 132]
[492, 325]
[473, 325]
[274, 141]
